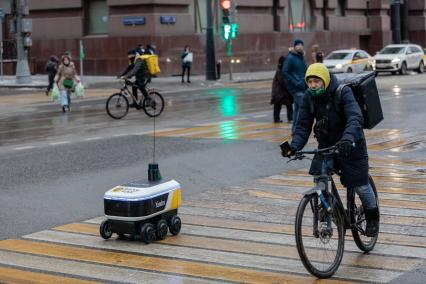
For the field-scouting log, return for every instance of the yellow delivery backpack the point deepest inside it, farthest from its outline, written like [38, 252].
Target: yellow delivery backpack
[152, 63]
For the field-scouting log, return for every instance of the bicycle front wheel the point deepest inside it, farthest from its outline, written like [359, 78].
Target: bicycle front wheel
[153, 105]
[320, 237]
[117, 106]
[363, 242]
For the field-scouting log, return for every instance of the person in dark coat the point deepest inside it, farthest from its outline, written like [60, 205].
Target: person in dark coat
[137, 67]
[344, 129]
[150, 49]
[51, 69]
[294, 70]
[280, 94]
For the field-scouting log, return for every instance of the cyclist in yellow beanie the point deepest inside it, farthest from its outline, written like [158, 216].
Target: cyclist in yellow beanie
[343, 128]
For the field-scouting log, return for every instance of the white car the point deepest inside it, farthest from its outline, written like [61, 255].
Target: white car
[348, 61]
[400, 58]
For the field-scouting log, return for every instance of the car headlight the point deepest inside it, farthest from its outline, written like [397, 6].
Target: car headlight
[338, 66]
[396, 60]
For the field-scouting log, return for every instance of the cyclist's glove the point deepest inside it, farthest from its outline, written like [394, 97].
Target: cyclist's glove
[288, 152]
[345, 148]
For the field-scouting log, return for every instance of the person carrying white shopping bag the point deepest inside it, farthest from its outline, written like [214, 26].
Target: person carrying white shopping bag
[66, 79]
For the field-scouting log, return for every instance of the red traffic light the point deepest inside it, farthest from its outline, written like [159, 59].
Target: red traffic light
[226, 4]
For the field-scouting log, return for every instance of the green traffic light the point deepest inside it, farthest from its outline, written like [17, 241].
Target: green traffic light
[234, 30]
[227, 31]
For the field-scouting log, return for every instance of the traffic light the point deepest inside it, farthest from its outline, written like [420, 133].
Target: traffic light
[226, 11]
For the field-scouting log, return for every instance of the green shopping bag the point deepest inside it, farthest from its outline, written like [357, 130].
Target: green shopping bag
[55, 93]
[79, 90]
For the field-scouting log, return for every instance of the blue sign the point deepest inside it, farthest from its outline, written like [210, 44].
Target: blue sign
[168, 20]
[134, 20]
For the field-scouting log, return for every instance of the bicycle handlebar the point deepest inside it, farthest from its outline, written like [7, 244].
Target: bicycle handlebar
[329, 150]
[300, 155]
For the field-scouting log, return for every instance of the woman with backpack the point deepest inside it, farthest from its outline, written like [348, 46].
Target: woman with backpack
[66, 79]
[280, 94]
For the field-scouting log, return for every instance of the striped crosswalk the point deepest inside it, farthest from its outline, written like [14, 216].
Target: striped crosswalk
[395, 140]
[234, 234]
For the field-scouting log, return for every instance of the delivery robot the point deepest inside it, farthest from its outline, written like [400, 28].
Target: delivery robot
[145, 208]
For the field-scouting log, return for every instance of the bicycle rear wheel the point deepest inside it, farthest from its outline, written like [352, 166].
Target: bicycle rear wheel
[320, 246]
[363, 242]
[153, 105]
[117, 106]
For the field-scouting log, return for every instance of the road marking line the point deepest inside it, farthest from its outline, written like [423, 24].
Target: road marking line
[239, 130]
[152, 263]
[211, 256]
[121, 134]
[87, 270]
[24, 148]
[373, 261]
[10, 275]
[260, 115]
[93, 138]
[59, 143]
[307, 184]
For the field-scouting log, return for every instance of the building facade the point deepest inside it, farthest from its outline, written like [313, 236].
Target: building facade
[267, 29]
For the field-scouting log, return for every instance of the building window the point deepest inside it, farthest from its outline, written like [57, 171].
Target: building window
[299, 15]
[341, 8]
[96, 17]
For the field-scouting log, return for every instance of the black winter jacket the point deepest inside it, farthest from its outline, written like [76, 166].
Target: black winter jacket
[346, 124]
[139, 70]
[280, 93]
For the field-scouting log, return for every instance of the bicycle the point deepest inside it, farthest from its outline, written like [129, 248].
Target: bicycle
[326, 219]
[117, 105]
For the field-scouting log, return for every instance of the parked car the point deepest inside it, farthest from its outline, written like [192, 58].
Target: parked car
[348, 61]
[424, 56]
[400, 58]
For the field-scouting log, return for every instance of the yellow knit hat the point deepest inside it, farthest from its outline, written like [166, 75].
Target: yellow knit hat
[318, 70]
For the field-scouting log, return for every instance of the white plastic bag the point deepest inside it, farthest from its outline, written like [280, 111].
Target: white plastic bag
[55, 93]
[79, 90]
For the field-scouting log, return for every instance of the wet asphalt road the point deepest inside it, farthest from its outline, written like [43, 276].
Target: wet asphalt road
[55, 167]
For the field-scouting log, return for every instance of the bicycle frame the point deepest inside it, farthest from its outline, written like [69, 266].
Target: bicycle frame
[327, 192]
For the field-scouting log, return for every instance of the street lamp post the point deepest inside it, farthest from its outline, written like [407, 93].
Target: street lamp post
[22, 68]
[396, 20]
[210, 48]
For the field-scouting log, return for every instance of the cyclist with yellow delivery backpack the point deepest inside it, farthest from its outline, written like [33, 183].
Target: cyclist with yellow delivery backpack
[142, 67]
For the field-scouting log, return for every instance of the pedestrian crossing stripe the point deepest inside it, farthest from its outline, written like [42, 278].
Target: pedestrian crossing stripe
[377, 139]
[10, 275]
[151, 263]
[244, 247]
[233, 234]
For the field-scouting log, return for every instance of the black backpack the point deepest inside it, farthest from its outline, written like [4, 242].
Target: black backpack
[365, 91]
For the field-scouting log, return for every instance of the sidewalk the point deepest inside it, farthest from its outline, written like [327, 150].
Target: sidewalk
[160, 83]
[14, 96]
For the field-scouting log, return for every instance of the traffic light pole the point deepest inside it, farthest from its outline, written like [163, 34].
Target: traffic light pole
[230, 58]
[22, 69]
[210, 49]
